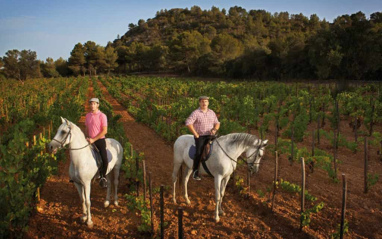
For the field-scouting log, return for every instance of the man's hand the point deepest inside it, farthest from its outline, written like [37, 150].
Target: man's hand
[213, 131]
[196, 136]
[90, 140]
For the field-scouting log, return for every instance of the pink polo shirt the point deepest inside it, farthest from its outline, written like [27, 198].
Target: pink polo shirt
[203, 122]
[95, 122]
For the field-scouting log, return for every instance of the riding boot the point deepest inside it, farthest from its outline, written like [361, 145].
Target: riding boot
[103, 180]
[195, 168]
[101, 145]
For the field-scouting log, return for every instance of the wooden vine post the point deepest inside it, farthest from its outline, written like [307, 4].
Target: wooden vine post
[275, 180]
[248, 182]
[335, 154]
[344, 192]
[292, 147]
[144, 179]
[313, 143]
[161, 212]
[365, 168]
[302, 191]
[318, 129]
[151, 203]
[180, 223]
[137, 174]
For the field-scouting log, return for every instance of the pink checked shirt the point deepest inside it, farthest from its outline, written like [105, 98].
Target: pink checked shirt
[95, 122]
[202, 122]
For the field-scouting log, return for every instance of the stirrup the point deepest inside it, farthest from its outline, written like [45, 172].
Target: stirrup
[195, 176]
[103, 182]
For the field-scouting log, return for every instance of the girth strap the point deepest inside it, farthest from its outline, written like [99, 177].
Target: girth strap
[205, 168]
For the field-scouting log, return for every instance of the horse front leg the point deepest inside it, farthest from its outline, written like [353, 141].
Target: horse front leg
[218, 181]
[88, 204]
[222, 192]
[81, 192]
[185, 183]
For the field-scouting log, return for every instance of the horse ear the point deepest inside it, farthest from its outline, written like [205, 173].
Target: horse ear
[265, 143]
[62, 119]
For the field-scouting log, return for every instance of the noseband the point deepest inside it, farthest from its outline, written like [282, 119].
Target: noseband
[66, 137]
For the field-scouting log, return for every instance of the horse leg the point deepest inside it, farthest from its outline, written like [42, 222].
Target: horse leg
[218, 181]
[116, 182]
[177, 166]
[108, 191]
[222, 191]
[185, 182]
[81, 192]
[88, 203]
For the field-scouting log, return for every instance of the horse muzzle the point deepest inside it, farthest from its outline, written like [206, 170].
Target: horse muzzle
[253, 169]
[52, 147]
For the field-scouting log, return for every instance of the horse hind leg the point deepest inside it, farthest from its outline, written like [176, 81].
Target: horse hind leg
[116, 182]
[185, 182]
[108, 191]
[177, 166]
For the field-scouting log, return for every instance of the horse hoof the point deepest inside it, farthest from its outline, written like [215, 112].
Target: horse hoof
[116, 203]
[90, 224]
[217, 219]
[222, 213]
[188, 202]
[174, 201]
[106, 204]
[84, 218]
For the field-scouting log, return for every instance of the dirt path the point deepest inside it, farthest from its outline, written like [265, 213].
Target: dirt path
[245, 218]
[60, 208]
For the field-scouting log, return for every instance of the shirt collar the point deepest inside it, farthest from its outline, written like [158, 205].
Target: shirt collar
[96, 113]
[202, 110]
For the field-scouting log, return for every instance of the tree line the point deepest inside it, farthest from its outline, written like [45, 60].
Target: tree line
[251, 44]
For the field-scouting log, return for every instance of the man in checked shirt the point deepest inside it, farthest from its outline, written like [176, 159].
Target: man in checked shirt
[202, 123]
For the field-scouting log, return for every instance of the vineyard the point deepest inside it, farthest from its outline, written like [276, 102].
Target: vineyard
[327, 125]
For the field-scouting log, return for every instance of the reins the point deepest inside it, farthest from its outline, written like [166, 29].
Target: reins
[256, 151]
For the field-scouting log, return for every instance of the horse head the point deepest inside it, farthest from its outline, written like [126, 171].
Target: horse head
[62, 137]
[254, 155]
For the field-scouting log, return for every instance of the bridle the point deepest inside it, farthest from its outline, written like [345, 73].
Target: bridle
[66, 137]
[242, 158]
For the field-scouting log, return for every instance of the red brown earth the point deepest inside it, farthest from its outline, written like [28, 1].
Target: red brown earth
[59, 211]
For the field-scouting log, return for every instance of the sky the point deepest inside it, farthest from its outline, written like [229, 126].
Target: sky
[53, 27]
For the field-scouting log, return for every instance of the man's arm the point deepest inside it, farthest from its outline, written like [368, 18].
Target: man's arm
[191, 128]
[216, 128]
[100, 135]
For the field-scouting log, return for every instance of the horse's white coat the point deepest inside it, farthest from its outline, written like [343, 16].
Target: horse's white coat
[83, 167]
[219, 164]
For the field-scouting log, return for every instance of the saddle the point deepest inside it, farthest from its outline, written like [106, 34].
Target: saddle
[207, 148]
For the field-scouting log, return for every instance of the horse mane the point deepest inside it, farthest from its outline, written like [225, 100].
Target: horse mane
[241, 138]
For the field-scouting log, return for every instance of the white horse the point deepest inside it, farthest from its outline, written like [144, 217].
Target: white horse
[83, 167]
[222, 162]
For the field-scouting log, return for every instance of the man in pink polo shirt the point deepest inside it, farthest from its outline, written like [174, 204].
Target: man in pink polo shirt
[202, 123]
[96, 129]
